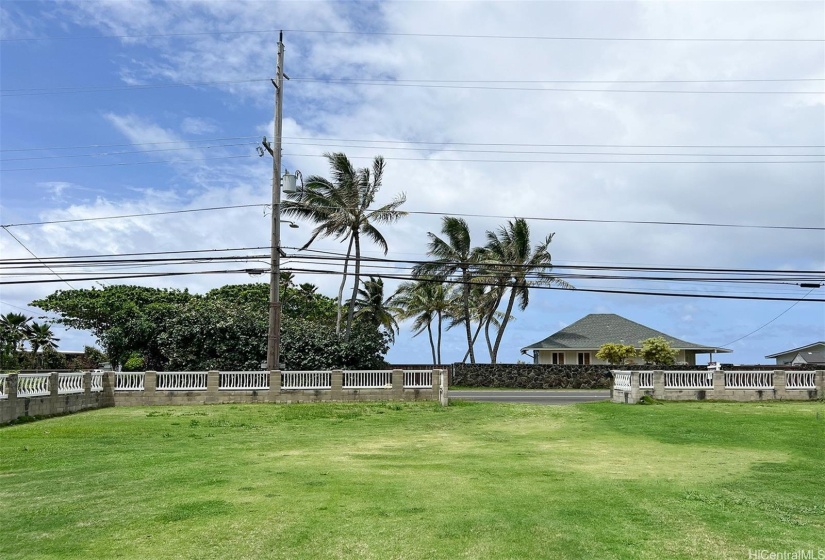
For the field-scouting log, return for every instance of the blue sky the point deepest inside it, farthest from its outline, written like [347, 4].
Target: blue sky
[164, 114]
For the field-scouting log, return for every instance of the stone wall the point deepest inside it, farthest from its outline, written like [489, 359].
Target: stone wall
[531, 376]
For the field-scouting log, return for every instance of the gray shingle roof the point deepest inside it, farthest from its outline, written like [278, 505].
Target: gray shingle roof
[596, 329]
[813, 357]
[800, 349]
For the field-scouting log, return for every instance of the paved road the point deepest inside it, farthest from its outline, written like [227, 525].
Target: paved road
[533, 396]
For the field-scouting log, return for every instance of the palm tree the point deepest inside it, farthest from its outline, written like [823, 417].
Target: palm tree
[41, 336]
[426, 300]
[453, 255]
[510, 248]
[341, 208]
[15, 326]
[374, 309]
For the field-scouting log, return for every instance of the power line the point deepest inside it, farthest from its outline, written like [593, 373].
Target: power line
[184, 141]
[450, 143]
[419, 142]
[589, 290]
[423, 35]
[139, 215]
[121, 164]
[431, 213]
[94, 89]
[35, 256]
[771, 321]
[106, 154]
[406, 148]
[56, 90]
[577, 90]
[408, 277]
[453, 160]
[547, 152]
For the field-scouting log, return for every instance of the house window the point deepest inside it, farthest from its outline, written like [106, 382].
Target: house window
[584, 358]
[558, 358]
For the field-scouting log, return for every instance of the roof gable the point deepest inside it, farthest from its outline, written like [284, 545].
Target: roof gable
[811, 357]
[596, 329]
[812, 347]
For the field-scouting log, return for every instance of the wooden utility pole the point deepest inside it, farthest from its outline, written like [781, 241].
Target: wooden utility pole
[273, 347]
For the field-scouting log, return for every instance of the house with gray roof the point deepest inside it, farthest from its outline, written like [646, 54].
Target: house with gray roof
[810, 354]
[579, 342]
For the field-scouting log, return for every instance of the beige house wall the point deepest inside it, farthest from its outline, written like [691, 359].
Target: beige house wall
[571, 357]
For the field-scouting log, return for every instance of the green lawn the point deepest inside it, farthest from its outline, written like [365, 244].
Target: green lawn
[682, 480]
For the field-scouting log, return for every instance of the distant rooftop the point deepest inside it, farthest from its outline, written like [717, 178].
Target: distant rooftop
[800, 349]
[596, 329]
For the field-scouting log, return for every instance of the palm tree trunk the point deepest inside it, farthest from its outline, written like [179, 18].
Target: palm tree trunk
[504, 321]
[466, 278]
[487, 322]
[432, 346]
[341, 289]
[357, 279]
[475, 337]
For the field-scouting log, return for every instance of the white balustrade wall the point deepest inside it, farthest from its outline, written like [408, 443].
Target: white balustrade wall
[688, 380]
[367, 379]
[418, 378]
[731, 385]
[306, 380]
[800, 380]
[243, 380]
[646, 380]
[34, 384]
[748, 380]
[70, 383]
[129, 381]
[181, 381]
[97, 382]
[621, 380]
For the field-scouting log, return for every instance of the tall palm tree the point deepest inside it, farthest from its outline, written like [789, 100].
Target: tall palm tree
[15, 327]
[41, 336]
[453, 255]
[510, 247]
[341, 208]
[374, 309]
[426, 301]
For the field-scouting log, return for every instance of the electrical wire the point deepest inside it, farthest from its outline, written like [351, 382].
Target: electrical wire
[423, 35]
[431, 213]
[771, 321]
[32, 254]
[418, 142]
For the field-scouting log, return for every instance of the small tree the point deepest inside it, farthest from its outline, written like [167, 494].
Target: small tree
[616, 354]
[657, 351]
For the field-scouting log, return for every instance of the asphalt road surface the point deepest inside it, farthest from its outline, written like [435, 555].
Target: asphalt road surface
[566, 396]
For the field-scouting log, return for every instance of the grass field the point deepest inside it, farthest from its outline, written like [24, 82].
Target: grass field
[685, 480]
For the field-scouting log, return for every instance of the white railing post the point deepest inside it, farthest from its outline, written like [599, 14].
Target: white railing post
[397, 384]
[443, 389]
[274, 385]
[150, 383]
[54, 391]
[779, 384]
[658, 384]
[337, 385]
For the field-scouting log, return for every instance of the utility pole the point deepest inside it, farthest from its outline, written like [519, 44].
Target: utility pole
[273, 347]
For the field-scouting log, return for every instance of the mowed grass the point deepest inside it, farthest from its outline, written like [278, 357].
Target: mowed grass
[392, 480]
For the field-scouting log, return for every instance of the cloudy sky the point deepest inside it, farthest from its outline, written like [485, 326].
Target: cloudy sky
[690, 112]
